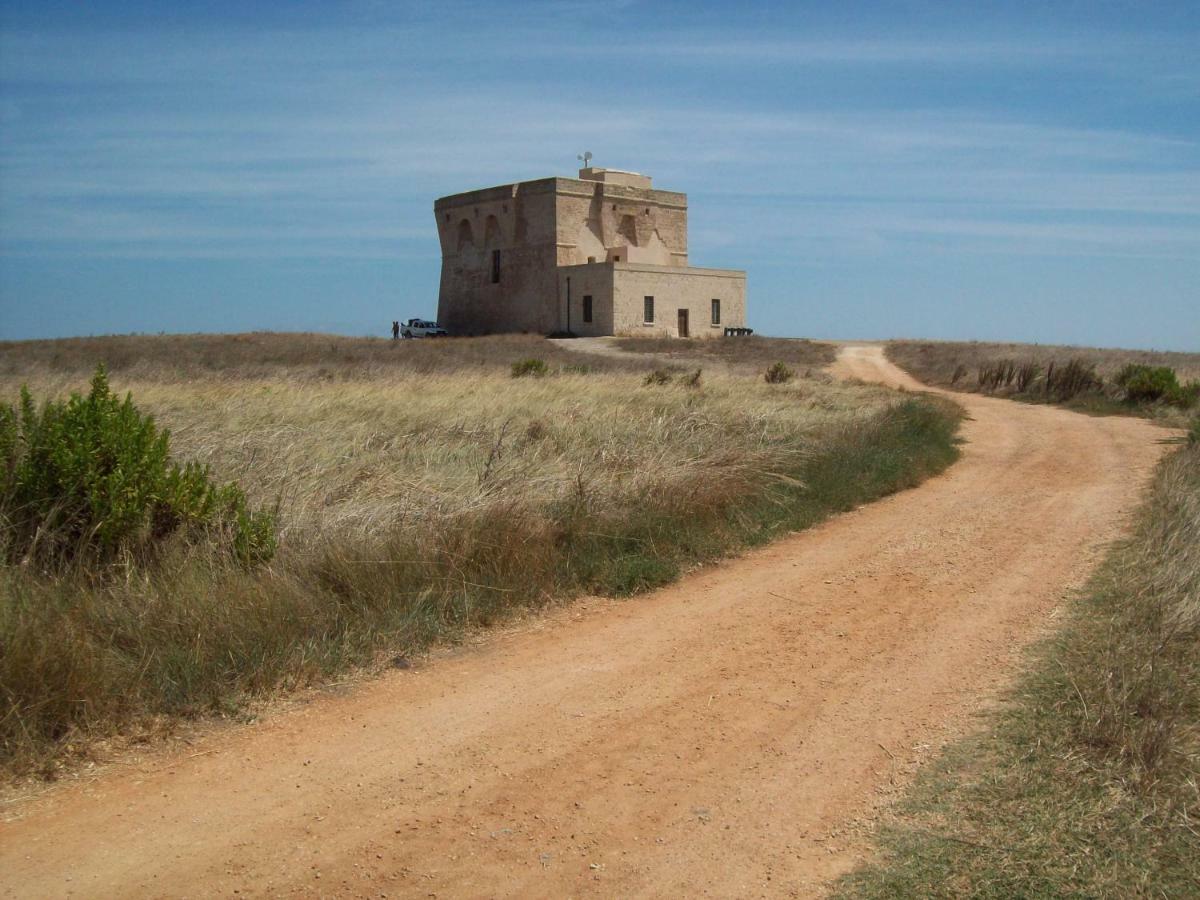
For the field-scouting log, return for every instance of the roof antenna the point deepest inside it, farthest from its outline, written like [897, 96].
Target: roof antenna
[586, 158]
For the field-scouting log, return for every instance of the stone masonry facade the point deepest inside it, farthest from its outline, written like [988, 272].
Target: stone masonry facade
[600, 254]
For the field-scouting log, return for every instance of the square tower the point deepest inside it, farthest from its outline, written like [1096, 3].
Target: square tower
[515, 258]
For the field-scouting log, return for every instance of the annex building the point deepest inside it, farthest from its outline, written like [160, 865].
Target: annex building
[604, 253]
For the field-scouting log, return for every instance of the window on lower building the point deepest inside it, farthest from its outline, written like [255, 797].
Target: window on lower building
[648, 310]
[587, 307]
[716, 312]
[495, 267]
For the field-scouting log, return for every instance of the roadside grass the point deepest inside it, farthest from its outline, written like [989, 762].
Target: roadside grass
[414, 505]
[743, 354]
[1024, 372]
[1086, 783]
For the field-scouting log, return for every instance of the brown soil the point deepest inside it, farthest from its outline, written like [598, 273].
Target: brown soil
[731, 735]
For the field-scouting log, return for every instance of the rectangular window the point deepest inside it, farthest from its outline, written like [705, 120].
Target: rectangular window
[716, 312]
[587, 307]
[648, 310]
[495, 267]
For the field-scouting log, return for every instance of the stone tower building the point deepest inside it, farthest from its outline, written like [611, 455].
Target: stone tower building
[604, 253]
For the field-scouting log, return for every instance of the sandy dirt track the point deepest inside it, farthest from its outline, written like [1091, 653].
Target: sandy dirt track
[726, 736]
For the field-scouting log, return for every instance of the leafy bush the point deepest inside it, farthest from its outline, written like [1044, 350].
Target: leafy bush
[1147, 384]
[90, 478]
[534, 367]
[778, 373]
[1194, 430]
[658, 376]
[692, 380]
[1154, 384]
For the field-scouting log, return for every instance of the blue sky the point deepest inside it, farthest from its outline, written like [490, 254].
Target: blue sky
[991, 171]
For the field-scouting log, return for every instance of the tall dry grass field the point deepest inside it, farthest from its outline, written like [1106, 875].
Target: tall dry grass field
[1087, 379]
[935, 362]
[421, 490]
[266, 354]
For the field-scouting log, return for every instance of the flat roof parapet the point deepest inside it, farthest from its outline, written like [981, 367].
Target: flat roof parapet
[615, 176]
[557, 184]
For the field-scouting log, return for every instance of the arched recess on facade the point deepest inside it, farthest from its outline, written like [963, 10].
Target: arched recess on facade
[466, 236]
[491, 232]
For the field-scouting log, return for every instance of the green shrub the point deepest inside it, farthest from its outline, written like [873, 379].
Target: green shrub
[1194, 430]
[1186, 396]
[658, 376]
[778, 373]
[1148, 384]
[534, 367]
[90, 479]
[692, 380]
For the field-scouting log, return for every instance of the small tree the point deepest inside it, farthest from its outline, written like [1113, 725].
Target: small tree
[779, 374]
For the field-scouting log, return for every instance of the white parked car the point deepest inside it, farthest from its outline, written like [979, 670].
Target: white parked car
[415, 328]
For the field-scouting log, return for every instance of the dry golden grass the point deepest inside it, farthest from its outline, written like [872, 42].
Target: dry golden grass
[421, 491]
[744, 355]
[355, 456]
[301, 356]
[935, 362]
[1085, 376]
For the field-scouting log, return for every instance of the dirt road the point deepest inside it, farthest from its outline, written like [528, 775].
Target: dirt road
[722, 737]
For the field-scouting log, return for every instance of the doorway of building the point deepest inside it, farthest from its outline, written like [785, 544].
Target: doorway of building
[683, 323]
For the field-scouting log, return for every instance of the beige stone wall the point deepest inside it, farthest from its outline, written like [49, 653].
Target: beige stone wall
[595, 281]
[674, 289]
[519, 221]
[615, 222]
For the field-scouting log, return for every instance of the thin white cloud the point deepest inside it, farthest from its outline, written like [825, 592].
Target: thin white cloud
[224, 140]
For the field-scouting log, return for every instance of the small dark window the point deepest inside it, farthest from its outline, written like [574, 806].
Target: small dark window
[616, 259]
[591, 259]
[716, 312]
[648, 310]
[495, 267]
[587, 307]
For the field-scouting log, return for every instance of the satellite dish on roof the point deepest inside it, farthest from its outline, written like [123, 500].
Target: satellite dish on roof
[586, 158]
